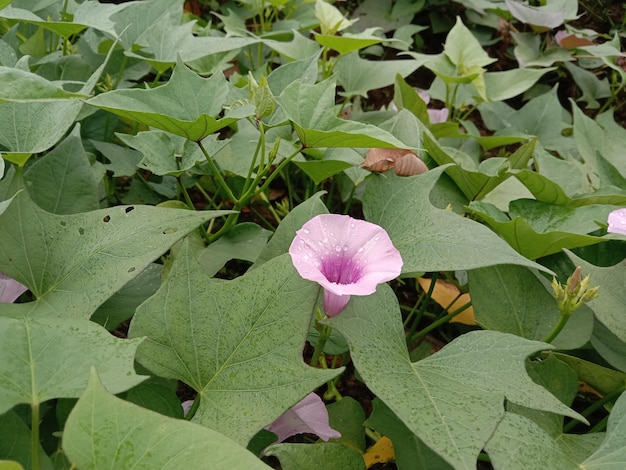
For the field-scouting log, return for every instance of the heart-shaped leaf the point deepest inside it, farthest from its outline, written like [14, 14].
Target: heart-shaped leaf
[187, 105]
[237, 343]
[308, 457]
[526, 239]
[25, 86]
[428, 238]
[612, 452]
[311, 109]
[123, 435]
[465, 382]
[73, 263]
[513, 300]
[46, 358]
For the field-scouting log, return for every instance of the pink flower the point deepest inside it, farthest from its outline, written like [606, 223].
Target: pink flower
[435, 115]
[10, 289]
[345, 256]
[307, 416]
[617, 221]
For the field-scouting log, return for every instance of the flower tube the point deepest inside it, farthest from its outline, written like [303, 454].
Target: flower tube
[345, 256]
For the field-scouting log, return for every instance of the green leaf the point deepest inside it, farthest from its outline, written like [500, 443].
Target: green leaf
[121, 305]
[349, 42]
[519, 443]
[48, 358]
[590, 85]
[405, 97]
[73, 263]
[33, 127]
[331, 19]
[511, 299]
[358, 76]
[123, 435]
[139, 18]
[525, 238]
[16, 444]
[346, 416]
[237, 343]
[545, 17]
[88, 14]
[245, 242]
[63, 181]
[602, 379]
[157, 394]
[431, 239]
[309, 456]
[437, 396]
[168, 154]
[612, 452]
[185, 105]
[463, 49]
[320, 170]
[165, 43]
[23, 86]
[124, 161]
[501, 86]
[590, 141]
[542, 116]
[611, 302]
[311, 109]
[478, 180]
[410, 452]
[609, 346]
[286, 231]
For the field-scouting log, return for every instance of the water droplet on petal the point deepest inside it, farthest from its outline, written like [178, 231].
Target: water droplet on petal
[306, 230]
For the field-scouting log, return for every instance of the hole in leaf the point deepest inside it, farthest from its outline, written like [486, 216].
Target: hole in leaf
[167, 231]
[106, 218]
[129, 209]
[63, 223]
[81, 231]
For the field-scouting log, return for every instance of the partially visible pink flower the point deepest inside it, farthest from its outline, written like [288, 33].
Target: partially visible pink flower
[10, 289]
[345, 256]
[307, 416]
[438, 115]
[435, 115]
[617, 221]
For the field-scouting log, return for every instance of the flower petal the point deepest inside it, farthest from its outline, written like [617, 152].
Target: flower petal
[330, 236]
[10, 289]
[307, 416]
[617, 221]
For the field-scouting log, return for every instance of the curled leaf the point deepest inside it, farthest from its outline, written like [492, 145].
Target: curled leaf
[404, 162]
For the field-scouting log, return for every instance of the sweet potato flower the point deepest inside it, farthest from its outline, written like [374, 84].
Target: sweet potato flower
[10, 289]
[617, 221]
[345, 256]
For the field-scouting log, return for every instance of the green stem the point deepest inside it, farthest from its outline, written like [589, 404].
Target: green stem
[445, 319]
[220, 180]
[557, 328]
[324, 334]
[279, 169]
[421, 311]
[194, 407]
[34, 436]
[593, 408]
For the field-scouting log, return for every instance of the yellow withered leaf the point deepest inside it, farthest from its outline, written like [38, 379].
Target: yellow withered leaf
[381, 452]
[445, 294]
